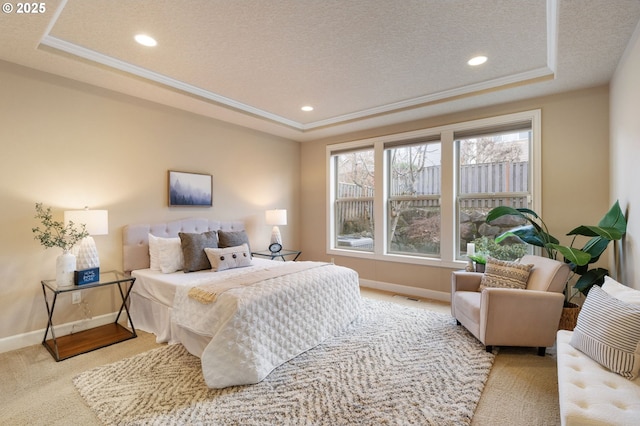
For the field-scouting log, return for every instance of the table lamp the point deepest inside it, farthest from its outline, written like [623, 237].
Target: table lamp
[275, 218]
[97, 223]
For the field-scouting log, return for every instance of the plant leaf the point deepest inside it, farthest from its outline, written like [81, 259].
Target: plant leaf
[525, 211]
[502, 211]
[478, 258]
[614, 219]
[575, 256]
[609, 233]
[595, 247]
[591, 278]
[528, 234]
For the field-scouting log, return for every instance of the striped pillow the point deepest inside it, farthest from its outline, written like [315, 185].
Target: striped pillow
[608, 331]
[502, 273]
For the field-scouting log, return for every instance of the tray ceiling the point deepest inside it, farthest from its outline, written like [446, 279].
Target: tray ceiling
[360, 64]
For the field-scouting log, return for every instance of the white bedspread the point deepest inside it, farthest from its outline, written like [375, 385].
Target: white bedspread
[255, 329]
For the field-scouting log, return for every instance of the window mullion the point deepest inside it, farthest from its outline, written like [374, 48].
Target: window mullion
[381, 183]
[447, 199]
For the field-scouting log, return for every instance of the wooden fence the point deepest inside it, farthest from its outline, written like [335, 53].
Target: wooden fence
[492, 182]
[494, 178]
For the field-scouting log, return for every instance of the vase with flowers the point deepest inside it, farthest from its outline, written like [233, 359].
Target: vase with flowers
[54, 233]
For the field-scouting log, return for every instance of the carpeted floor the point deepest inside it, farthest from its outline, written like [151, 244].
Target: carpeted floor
[35, 390]
[394, 365]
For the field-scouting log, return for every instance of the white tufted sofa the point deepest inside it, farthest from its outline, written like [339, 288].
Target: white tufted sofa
[590, 394]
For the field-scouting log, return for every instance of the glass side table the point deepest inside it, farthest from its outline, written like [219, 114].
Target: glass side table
[64, 347]
[278, 255]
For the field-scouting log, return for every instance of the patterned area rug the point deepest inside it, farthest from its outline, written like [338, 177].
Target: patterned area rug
[395, 365]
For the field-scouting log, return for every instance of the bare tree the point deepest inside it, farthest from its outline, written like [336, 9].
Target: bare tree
[356, 180]
[407, 165]
[357, 168]
[488, 150]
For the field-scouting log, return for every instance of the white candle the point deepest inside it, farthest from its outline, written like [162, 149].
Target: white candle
[471, 249]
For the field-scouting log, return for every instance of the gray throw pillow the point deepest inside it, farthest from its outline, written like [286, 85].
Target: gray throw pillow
[233, 239]
[193, 245]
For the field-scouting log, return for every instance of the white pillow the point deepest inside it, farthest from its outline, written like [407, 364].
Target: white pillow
[229, 257]
[608, 332]
[154, 263]
[169, 254]
[621, 291]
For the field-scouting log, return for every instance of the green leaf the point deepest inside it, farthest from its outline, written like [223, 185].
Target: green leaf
[528, 234]
[502, 211]
[478, 258]
[504, 236]
[575, 256]
[595, 247]
[609, 233]
[591, 278]
[526, 211]
[614, 219]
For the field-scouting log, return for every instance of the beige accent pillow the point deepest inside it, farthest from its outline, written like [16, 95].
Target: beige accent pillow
[193, 246]
[505, 274]
[229, 257]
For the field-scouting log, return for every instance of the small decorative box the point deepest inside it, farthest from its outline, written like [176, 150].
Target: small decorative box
[86, 276]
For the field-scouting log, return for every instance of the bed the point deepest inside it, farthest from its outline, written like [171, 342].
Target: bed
[242, 322]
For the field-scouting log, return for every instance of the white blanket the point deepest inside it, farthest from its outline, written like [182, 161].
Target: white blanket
[209, 292]
[256, 328]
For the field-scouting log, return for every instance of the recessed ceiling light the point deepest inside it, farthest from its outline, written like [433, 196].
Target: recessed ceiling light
[145, 40]
[478, 60]
[307, 108]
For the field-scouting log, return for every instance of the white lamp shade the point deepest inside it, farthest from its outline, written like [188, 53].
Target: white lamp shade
[96, 221]
[276, 217]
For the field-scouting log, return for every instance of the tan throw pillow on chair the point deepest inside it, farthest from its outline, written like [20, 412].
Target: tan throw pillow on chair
[505, 274]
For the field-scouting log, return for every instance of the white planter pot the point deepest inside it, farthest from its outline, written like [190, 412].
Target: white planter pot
[65, 266]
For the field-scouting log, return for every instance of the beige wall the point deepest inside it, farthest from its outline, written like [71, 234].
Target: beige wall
[575, 183]
[625, 154]
[69, 145]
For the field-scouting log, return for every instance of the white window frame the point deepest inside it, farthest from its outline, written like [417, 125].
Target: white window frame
[389, 198]
[448, 186]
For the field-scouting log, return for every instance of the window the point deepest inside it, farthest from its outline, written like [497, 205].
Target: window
[354, 195]
[421, 197]
[493, 170]
[413, 207]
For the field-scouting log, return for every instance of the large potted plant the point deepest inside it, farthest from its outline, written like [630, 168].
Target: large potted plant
[535, 232]
[54, 233]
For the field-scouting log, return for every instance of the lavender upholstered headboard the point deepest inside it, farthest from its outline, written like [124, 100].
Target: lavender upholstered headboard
[135, 238]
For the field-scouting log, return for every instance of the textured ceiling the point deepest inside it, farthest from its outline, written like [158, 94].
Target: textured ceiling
[360, 63]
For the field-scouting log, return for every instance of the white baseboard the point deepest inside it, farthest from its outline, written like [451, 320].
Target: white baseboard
[34, 337]
[406, 290]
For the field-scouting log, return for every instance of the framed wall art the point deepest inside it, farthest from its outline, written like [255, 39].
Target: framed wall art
[190, 189]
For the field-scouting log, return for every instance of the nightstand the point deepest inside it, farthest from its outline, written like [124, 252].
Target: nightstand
[64, 347]
[278, 255]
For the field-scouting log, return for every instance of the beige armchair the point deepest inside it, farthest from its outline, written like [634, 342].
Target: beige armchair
[512, 317]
